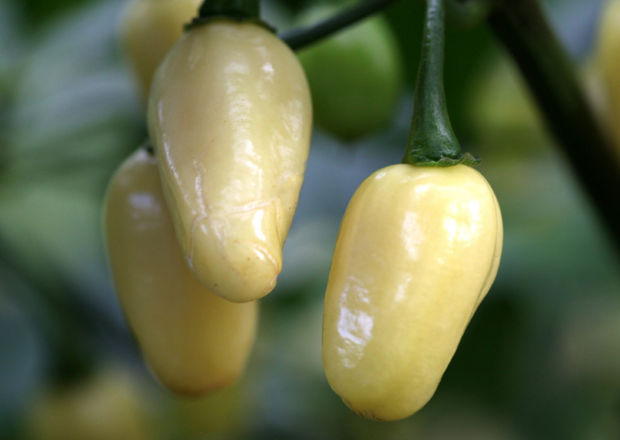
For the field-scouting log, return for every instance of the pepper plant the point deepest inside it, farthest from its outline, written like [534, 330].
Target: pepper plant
[225, 99]
[229, 118]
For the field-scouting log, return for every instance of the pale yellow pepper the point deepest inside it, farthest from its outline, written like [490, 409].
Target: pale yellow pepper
[149, 29]
[418, 249]
[230, 118]
[193, 340]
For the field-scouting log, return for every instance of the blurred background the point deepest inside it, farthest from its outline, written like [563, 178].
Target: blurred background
[540, 359]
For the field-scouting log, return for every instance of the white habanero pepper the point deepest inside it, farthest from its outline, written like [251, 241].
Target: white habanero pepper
[230, 118]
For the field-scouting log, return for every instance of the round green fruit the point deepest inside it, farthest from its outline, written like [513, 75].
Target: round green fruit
[355, 75]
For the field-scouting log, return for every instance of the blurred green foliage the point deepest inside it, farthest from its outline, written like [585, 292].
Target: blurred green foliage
[37, 12]
[539, 360]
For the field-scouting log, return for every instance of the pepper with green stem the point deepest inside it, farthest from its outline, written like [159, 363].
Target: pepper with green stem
[418, 249]
[230, 119]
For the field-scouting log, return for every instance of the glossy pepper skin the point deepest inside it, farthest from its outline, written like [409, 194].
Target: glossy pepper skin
[193, 340]
[418, 249]
[230, 118]
[149, 29]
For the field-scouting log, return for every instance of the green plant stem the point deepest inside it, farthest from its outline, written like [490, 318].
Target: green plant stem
[241, 9]
[238, 10]
[523, 29]
[301, 37]
[431, 140]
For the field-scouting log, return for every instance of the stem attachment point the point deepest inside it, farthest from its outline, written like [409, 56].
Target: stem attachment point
[236, 10]
[431, 140]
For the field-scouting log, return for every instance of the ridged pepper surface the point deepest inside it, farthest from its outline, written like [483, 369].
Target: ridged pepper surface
[230, 118]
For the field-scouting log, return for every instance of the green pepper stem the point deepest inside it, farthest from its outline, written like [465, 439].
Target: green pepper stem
[299, 38]
[431, 140]
[522, 27]
[237, 10]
